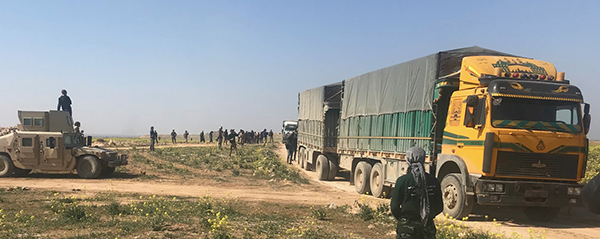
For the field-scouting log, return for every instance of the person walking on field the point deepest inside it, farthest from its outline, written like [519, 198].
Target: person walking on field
[210, 136]
[291, 145]
[416, 199]
[64, 102]
[231, 137]
[174, 137]
[202, 137]
[225, 137]
[220, 137]
[185, 135]
[152, 137]
[271, 136]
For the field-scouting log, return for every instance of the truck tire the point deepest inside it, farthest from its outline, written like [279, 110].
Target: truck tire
[455, 197]
[302, 157]
[333, 170]
[88, 167]
[377, 179]
[107, 171]
[305, 163]
[6, 166]
[322, 167]
[362, 173]
[541, 214]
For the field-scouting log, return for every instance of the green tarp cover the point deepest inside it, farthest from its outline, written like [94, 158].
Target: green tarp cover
[403, 87]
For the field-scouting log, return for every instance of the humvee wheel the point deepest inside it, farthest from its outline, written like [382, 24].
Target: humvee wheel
[6, 166]
[107, 171]
[88, 167]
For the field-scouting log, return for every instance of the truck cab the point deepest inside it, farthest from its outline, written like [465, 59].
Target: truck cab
[47, 141]
[515, 135]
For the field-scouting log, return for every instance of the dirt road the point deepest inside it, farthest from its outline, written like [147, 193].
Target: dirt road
[575, 223]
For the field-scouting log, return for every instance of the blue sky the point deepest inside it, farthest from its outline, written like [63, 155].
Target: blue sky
[197, 65]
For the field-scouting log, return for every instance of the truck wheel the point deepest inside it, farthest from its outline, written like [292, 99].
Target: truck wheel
[107, 171]
[6, 166]
[377, 181]
[302, 157]
[541, 214]
[88, 167]
[362, 173]
[455, 197]
[322, 167]
[21, 172]
[305, 164]
[333, 170]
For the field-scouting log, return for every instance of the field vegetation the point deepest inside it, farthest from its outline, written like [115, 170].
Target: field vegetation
[26, 213]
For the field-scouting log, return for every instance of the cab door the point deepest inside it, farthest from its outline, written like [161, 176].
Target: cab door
[51, 152]
[27, 150]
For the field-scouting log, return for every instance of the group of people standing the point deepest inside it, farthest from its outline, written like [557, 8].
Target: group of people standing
[222, 136]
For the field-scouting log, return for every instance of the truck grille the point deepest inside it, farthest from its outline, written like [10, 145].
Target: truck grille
[555, 166]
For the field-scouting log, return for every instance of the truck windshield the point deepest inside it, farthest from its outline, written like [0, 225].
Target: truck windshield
[549, 115]
[291, 127]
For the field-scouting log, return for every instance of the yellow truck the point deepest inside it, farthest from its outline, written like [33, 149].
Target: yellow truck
[499, 130]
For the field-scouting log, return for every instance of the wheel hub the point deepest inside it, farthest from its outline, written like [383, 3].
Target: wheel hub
[450, 196]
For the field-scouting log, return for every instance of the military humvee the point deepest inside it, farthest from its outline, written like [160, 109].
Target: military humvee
[47, 141]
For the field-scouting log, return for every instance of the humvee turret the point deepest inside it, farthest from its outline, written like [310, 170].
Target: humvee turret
[47, 141]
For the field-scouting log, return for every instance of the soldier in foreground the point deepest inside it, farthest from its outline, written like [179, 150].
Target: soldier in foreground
[416, 199]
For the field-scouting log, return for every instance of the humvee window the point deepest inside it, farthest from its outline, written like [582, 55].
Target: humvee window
[37, 122]
[27, 142]
[51, 142]
[27, 121]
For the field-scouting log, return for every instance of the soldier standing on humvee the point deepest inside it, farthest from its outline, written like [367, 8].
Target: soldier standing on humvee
[64, 102]
[174, 137]
[416, 199]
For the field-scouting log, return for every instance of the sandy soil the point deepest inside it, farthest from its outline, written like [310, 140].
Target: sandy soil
[574, 223]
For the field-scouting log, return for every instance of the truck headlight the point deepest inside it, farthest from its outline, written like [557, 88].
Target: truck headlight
[494, 187]
[499, 188]
[490, 187]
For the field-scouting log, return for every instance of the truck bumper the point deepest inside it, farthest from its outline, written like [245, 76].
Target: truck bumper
[525, 193]
[121, 160]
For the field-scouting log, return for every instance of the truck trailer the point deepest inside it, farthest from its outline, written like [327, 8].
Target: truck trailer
[498, 129]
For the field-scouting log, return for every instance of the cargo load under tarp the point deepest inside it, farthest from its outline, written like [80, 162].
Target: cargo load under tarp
[391, 109]
[318, 116]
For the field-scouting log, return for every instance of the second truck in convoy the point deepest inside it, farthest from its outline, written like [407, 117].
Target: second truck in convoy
[498, 130]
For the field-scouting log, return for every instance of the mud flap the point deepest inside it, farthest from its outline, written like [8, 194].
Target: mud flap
[590, 195]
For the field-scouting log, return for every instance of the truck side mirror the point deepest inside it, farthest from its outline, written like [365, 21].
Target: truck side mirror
[587, 118]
